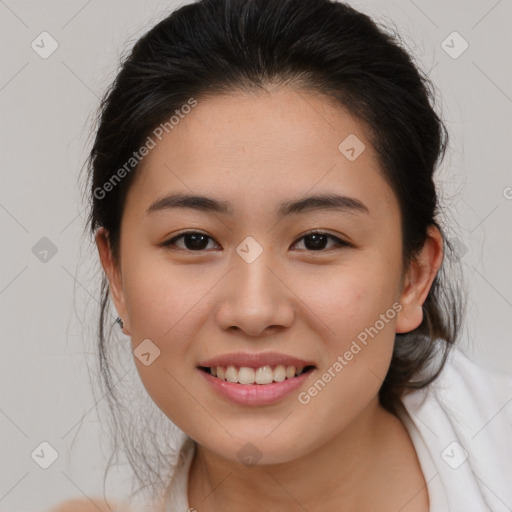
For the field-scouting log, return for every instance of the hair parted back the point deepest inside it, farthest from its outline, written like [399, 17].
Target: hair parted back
[322, 46]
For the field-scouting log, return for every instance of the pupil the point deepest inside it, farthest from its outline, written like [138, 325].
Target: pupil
[197, 243]
[318, 241]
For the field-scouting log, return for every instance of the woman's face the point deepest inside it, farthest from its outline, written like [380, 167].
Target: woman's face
[256, 283]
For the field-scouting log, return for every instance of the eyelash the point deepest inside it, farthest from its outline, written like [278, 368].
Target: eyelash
[341, 243]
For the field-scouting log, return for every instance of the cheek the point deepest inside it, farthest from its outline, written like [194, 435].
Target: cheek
[350, 298]
[358, 310]
[161, 295]
[358, 306]
[165, 307]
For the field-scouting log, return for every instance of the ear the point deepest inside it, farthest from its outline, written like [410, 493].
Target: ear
[418, 280]
[113, 274]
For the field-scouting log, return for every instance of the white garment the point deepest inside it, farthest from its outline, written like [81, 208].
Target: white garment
[461, 428]
[466, 410]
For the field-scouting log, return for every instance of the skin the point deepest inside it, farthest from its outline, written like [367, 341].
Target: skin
[342, 450]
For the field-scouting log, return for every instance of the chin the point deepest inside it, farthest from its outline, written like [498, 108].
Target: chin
[257, 449]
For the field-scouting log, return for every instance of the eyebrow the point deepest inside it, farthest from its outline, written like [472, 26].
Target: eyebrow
[286, 208]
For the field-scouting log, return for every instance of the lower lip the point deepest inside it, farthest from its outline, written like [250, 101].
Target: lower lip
[255, 394]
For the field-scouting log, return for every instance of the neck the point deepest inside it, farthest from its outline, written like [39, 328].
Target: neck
[343, 471]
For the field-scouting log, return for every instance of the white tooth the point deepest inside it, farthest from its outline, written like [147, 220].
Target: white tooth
[290, 372]
[231, 374]
[264, 375]
[279, 373]
[246, 375]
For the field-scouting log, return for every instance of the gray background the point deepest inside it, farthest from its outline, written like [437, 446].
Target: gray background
[47, 307]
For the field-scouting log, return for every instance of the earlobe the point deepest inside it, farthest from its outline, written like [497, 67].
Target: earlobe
[121, 325]
[113, 275]
[418, 281]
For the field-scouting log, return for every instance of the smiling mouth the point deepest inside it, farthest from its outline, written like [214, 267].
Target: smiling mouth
[262, 375]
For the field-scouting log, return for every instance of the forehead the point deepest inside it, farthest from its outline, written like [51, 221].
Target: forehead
[261, 146]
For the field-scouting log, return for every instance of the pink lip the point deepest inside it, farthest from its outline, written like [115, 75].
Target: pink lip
[255, 360]
[255, 394]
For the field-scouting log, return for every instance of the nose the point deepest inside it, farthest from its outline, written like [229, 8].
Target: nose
[255, 297]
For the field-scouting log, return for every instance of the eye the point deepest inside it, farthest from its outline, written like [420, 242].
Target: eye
[317, 240]
[194, 241]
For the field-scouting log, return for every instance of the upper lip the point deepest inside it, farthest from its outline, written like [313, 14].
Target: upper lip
[255, 360]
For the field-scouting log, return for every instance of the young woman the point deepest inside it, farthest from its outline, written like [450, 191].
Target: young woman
[265, 212]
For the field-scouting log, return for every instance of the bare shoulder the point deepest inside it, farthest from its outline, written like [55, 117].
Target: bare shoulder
[90, 505]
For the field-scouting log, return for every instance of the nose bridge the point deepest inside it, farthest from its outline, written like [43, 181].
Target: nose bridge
[253, 262]
[254, 272]
[256, 298]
